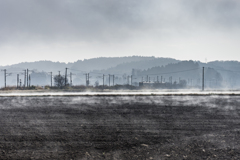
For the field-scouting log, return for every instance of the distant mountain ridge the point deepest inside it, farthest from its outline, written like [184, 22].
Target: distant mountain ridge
[187, 70]
[87, 65]
[46, 66]
[226, 71]
[106, 62]
[126, 68]
[229, 70]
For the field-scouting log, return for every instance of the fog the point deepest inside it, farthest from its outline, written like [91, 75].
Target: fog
[120, 126]
[124, 93]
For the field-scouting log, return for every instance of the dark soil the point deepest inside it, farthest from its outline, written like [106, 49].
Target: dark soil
[120, 127]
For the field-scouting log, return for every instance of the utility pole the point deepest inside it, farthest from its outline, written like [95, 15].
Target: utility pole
[109, 79]
[17, 80]
[27, 77]
[113, 80]
[71, 78]
[5, 75]
[147, 78]
[24, 78]
[51, 78]
[131, 80]
[203, 80]
[157, 79]
[86, 79]
[103, 81]
[29, 80]
[59, 73]
[170, 80]
[66, 77]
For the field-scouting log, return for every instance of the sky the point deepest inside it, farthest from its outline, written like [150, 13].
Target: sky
[71, 30]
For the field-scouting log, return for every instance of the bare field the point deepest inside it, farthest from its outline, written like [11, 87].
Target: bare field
[120, 127]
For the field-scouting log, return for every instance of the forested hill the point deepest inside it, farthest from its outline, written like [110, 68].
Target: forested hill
[188, 70]
[228, 72]
[227, 65]
[106, 62]
[126, 68]
[46, 66]
[87, 64]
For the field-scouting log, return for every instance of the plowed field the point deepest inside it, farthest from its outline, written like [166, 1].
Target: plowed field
[120, 127]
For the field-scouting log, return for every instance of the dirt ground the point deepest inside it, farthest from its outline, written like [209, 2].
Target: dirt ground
[120, 127]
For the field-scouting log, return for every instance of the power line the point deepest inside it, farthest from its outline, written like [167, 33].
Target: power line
[227, 70]
[175, 71]
[77, 70]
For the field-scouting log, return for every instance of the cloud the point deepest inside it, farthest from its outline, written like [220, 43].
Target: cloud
[111, 19]
[85, 20]
[107, 24]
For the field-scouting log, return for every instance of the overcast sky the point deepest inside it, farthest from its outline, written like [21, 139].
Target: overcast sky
[68, 30]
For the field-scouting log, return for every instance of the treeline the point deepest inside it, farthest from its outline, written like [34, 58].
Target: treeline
[126, 70]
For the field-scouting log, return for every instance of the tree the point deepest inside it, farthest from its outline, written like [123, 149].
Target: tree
[183, 83]
[59, 81]
[96, 84]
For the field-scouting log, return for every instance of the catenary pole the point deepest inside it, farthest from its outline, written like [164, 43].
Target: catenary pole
[70, 78]
[27, 77]
[131, 80]
[24, 78]
[203, 80]
[5, 75]
[51, 79]
[113, 80]
[17, 80]
[103, 81]
[66, 77]
[29, 80]
[88, 80]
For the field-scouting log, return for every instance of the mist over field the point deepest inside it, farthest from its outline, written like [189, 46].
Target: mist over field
[120, 127]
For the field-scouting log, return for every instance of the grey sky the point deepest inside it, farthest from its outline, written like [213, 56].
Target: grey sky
[68, 30]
